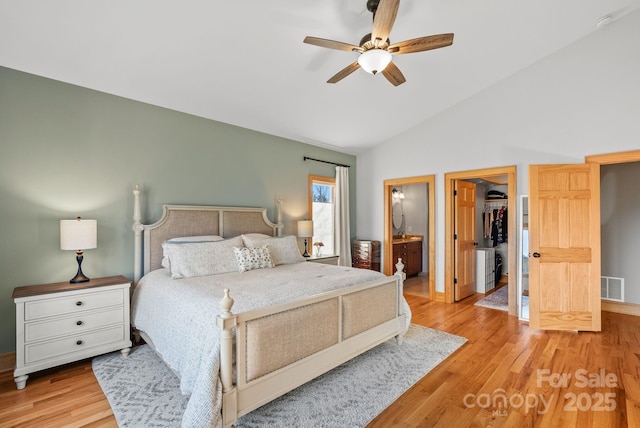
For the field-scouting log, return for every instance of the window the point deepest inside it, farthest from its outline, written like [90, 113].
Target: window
[321, 202]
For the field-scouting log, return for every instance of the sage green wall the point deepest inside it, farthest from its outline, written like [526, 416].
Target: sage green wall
[67, 151]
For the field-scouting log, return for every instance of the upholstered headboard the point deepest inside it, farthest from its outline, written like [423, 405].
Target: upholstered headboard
[191, 220]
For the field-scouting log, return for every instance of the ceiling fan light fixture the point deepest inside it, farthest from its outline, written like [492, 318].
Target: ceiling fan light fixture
[376, 48]
[374, 60]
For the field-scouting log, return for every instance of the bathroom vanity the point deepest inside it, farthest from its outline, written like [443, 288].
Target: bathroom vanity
[409, 249]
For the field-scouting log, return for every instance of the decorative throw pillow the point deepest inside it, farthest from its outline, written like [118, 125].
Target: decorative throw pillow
[283, 250]
[186, 240]
[253, 258]
[201, 258]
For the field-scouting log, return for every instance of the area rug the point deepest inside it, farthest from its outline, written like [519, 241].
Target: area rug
[144, 392]
[499, 299]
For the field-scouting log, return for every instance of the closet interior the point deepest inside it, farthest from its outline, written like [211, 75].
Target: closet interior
[492, 233]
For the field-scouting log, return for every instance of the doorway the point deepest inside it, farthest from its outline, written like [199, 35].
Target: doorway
[612, 159]
[429, 239]
[523, 250]
[505, 175]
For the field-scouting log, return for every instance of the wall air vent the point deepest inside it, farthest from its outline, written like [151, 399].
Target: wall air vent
[612, 288]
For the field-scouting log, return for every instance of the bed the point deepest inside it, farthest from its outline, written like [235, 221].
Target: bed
[238, 340]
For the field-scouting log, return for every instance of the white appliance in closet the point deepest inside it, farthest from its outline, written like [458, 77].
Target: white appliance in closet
[485, 269]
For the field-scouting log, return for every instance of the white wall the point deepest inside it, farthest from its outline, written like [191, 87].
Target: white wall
[582, 100]
[620, 217]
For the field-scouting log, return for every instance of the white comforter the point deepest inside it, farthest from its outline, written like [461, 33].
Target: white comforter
[180, 317]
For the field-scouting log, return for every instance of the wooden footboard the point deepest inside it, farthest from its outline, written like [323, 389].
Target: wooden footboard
[282, 347]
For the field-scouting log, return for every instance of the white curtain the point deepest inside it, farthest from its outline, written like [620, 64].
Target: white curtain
[341, 215]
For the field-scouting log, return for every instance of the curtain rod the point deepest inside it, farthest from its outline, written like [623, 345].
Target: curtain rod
[323, 161]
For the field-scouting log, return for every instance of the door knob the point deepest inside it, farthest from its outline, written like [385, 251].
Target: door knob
[536, 255]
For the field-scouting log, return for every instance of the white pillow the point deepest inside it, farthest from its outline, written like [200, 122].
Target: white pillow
[253, 258]
[201, 258]
[188, 239]
[283, 250]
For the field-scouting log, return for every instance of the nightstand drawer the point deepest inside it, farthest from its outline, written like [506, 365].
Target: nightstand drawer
[71, 304]
[76, 343]
[74, 324]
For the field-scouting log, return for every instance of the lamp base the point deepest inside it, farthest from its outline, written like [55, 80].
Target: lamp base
[306, 252]
[80, 277]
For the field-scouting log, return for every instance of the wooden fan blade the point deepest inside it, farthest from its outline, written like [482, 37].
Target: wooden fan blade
[344, 72]
[393, 74]
[383, 21]
[332, 44]
[421, 44]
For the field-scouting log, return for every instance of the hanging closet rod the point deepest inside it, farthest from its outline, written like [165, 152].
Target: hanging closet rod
[323, 161]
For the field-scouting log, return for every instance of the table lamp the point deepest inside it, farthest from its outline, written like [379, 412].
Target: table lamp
[78, 235]
[305, 230]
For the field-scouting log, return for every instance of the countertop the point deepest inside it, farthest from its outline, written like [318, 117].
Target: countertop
[404, 239]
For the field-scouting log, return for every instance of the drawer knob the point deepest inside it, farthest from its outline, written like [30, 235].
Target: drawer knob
[79, 323]
[79, 303]
[79, 342]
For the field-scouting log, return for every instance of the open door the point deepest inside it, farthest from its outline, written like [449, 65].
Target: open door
[564, 262]
[465, 237]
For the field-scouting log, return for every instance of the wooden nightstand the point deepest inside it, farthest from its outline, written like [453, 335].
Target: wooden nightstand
[62, 322]
[328, 259]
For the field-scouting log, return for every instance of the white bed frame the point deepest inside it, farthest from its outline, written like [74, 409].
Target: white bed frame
[240, 394]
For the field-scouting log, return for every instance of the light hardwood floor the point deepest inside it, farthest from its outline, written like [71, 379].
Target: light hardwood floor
[417, 285]
[502, 356]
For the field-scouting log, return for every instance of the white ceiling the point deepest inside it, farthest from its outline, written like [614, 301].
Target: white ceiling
[244, 63]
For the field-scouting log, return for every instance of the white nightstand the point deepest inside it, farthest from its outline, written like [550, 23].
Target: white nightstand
[63, 322]
[328, 259]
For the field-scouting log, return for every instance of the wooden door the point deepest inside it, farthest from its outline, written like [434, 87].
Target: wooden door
[464, 239]
[564, 242]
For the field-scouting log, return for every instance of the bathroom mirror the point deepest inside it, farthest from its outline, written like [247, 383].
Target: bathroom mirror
[397, 215]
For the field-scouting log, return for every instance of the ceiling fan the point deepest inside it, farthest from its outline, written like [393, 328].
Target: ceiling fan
[376, 49]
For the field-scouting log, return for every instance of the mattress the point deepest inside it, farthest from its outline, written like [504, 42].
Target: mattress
[179, 315]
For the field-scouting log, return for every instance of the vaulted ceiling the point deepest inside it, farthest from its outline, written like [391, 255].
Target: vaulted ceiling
[244, 62]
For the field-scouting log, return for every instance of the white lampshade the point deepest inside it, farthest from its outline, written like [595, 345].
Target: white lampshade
[374, 60]
[78, 234]
[305, 228]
